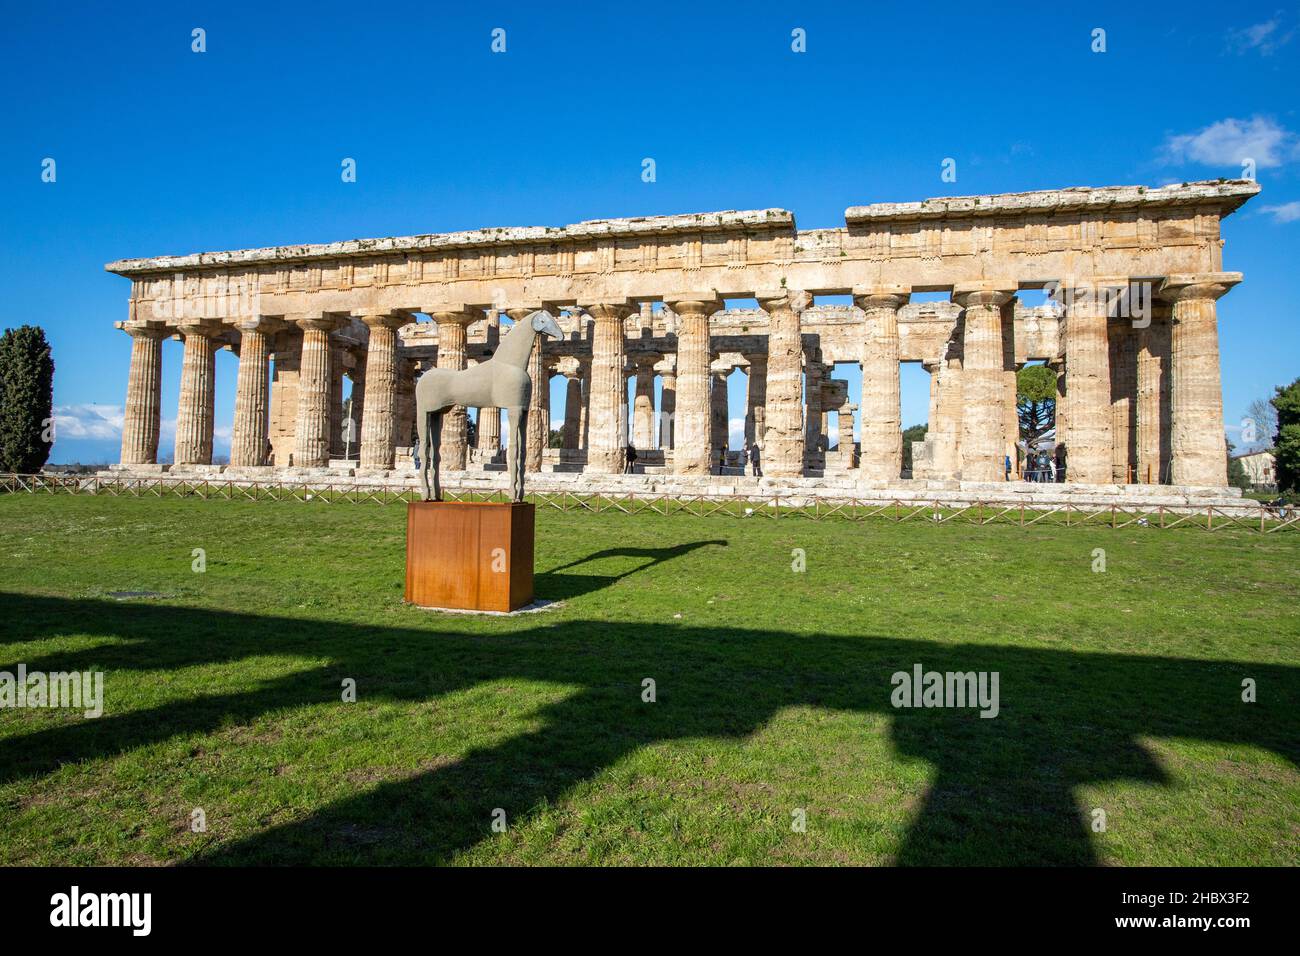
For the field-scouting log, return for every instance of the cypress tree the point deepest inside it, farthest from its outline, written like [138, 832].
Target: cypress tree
[26, 400]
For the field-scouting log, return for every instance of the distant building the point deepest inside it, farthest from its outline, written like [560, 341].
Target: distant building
[1260, 468]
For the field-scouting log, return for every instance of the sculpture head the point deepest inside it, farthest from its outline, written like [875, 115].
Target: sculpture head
[544, 324]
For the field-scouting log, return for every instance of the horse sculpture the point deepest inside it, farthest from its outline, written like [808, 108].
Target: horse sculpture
[500, 382]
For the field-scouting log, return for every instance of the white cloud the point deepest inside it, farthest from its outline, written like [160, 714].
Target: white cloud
[1230, 142]
[1264, 37]
[735, 432]
[104, 423]
[1287, 212]
[101, 422]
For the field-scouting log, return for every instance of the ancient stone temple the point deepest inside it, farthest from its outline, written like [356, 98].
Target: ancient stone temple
[1130, 329]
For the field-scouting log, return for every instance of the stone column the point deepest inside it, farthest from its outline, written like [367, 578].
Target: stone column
[1087, 370]
[1197, 453]
[572, 408]
[692, 398]
[1011, 418]
[1123, 404]
[880, 455]
[379, 425]
[941, 449]
[539, 403]
[718, 438]
[584, 406]
[783, 446]
[338, 358]
[489, 419]
[607, 424]
[142, 416]
[846, 437]
[453, 320]
[755, 396]
[284, 395]
[643, 408]
[357, 409]
[408, 370]
[488, 435]
[667, 407]
[1153, 398]
[311, 444]
[249, 444]
[814, 377]
[1062, 425]
[983, 382]
[194, 414]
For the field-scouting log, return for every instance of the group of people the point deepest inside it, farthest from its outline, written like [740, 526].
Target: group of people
[1043, 466]
[752, 455]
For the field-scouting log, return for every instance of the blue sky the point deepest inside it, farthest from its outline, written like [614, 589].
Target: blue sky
[161, 150]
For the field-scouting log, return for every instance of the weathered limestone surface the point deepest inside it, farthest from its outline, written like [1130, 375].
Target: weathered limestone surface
[983, 384]
[881, 433]
[1153, 400]
[1197, 450]
[249, 445]
[338, 358]
[194, 415]
[312, 438]
[143, 397]
[693, 394]
[813, 380]
[1123, 403]
[607, 428]
[379, 424]
[1138, 237]
[408, 371]
[284, 395]
[783, 442]
[1087, 374]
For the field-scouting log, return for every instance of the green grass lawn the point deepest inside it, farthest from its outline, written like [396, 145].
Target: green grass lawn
[1119, 691]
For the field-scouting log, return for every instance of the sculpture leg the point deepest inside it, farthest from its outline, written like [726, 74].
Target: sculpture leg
[435, 454]
[518, 418]
[521, 459]
[422, 449]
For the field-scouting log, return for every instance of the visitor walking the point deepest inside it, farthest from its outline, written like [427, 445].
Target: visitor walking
[630, 463]
[755, 461]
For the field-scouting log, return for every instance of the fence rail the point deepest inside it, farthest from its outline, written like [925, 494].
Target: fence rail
[1263, 519]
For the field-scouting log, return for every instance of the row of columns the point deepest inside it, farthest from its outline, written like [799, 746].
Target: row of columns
[972, 405]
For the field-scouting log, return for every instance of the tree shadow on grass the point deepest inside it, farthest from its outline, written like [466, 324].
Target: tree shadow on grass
[1004, 789]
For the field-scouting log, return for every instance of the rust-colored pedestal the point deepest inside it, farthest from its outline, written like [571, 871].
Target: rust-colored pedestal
[469, 555]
